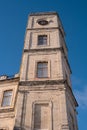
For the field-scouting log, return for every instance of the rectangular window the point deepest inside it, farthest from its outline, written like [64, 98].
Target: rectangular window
[42, 40]
[7, 96]
[41, 117]
[42, 69]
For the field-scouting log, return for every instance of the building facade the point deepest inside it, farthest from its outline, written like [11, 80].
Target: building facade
[40, 97]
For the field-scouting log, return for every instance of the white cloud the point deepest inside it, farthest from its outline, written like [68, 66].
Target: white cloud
[81, 96]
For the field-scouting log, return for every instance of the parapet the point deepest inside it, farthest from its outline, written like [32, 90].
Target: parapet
[6, 77]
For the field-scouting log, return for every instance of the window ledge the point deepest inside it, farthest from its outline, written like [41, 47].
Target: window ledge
[6, 109]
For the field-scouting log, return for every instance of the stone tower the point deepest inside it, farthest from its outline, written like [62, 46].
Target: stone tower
[45, 98]
[40, 97]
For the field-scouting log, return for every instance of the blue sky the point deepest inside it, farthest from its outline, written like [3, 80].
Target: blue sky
[13, 20]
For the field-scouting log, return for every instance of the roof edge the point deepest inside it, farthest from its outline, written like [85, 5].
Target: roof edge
[43, 13]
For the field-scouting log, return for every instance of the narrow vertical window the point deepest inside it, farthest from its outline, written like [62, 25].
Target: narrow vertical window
[41, 117]
[7, 96]
[42, 40]
[42, 69]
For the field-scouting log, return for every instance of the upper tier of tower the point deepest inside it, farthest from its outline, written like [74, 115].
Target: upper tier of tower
[46, 24]
[44, 45]
[44, 20]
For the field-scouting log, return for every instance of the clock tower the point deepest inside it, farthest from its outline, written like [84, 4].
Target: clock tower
[45, 99]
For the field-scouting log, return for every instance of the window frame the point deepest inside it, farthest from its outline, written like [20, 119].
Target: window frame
[42, 40]
[42, 69]
[49, 72]
[43, 102]
[2, 102]
[36, 34]
[12, 105]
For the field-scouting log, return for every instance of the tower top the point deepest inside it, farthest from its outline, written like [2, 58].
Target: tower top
[39, 20]
[43, 13]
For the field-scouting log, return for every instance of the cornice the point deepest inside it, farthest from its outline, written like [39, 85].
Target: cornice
[43, 13]
[46, 28]
[9, 80]
[42, 49]
[45, 82]
[46, 85]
